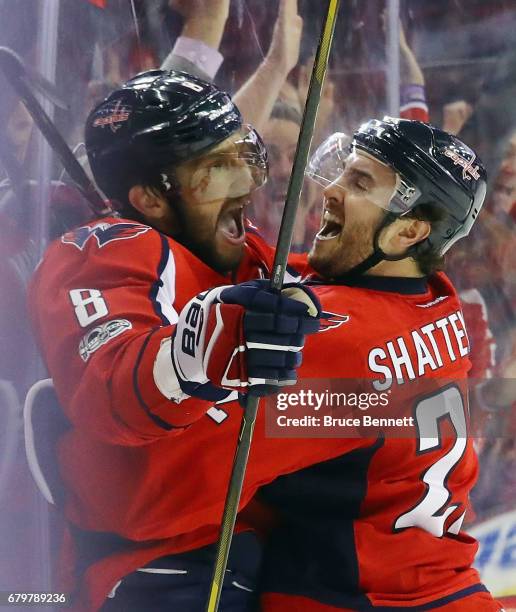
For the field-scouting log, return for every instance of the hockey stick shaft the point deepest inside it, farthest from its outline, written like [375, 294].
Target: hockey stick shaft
[303, 146]
[15, 72]
[279, 267]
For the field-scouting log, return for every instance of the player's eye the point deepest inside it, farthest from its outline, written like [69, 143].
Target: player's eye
[220, 163]
[359, 184]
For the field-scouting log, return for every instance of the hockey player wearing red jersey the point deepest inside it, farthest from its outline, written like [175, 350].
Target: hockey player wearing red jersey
[146, 462]
[378, 526]
[144, 323]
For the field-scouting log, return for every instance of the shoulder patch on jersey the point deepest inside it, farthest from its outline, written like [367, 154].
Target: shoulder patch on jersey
[104, 233]
[331, 320]
[100, 335]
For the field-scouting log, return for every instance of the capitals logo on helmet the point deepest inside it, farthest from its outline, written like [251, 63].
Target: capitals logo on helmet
[113, 115]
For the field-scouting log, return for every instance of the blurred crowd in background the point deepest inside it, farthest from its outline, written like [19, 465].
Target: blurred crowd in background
[457, 68]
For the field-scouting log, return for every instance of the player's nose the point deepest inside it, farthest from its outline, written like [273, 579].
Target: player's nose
[335, 193]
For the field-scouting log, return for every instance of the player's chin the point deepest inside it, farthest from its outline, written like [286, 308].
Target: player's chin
[330, 258]
[321, 257]
[324, 247]
[227, 257]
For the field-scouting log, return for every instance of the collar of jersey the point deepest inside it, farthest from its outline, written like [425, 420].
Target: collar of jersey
[392, 284]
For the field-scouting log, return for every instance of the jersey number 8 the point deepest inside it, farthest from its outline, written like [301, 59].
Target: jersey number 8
[89, 305]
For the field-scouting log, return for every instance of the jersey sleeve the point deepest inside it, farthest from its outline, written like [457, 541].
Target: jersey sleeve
[104, 316]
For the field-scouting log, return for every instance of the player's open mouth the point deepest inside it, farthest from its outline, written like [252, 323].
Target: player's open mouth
[231, 225]
[332, 226]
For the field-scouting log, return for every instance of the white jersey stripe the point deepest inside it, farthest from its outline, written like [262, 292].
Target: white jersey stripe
[167, 292]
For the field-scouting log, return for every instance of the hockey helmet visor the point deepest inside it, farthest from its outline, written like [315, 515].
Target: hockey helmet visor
[233, 169]
[337, 161]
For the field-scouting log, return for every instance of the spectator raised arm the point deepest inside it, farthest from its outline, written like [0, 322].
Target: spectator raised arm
[257, 96]
[410, 70]
[412, 83]
[455, 115]
[196, 50]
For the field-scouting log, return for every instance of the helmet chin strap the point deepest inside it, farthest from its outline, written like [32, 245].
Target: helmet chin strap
[378, 254]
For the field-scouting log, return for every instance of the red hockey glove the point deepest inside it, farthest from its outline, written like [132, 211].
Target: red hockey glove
[242, 337]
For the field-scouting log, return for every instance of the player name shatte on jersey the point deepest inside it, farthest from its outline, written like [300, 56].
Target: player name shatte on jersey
[402, 375]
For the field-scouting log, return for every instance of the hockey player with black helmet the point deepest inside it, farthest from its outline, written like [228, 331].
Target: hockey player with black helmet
[145, 320]
[377, 526]
[171, 149]
[435, 179]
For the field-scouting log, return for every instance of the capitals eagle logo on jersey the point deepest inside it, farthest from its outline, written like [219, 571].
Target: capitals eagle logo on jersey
[331, 320]
[104, 233]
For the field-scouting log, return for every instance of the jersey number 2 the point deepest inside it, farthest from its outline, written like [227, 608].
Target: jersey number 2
[432, 511]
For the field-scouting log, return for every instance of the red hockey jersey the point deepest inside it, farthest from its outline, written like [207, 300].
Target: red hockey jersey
[379, 526]
[147, 475]
[150, 475]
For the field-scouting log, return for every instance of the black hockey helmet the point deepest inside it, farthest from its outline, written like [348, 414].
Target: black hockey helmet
[157, 119]
[433, 167]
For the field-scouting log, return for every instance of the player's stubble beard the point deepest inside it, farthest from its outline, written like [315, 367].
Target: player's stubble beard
[200, 239]
[335, 258]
